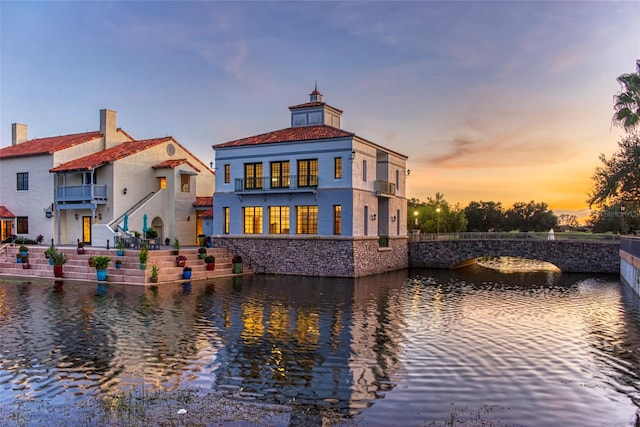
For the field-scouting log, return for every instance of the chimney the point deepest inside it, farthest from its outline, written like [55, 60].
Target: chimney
[108, 128]
[18, 133]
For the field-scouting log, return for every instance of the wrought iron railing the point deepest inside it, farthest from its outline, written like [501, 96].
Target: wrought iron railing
[268, 183]
[81, 193]
[384, 188]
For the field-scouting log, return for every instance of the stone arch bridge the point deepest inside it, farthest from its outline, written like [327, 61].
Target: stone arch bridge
[588, 254]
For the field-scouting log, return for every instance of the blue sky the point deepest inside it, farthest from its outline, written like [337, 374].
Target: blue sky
[502, 101]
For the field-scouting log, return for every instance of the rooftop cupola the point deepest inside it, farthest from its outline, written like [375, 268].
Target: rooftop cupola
[315, 112]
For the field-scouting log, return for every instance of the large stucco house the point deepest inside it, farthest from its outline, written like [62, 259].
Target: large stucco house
[312, 199]
[81, 186]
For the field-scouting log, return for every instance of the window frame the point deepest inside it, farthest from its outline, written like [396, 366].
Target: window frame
[307, 179]
[22, 181]
[255, 176]
[279, 178]
[337, 167]
[252, 219]
[307, 219]
[279, 219]
[337, 220]
[227, 173]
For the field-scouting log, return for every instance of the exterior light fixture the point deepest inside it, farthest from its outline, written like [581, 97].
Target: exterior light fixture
[100, 216]
[124, 190]
[76, 215]
[48, 214]
[415, 214]
[353, 155]
[393, 218]
[408, 171]
[373, 217]
[211, 164]
[189, 218]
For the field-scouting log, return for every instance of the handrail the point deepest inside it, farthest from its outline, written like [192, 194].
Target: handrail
[230, 246]
[132, 209]
[515, 236]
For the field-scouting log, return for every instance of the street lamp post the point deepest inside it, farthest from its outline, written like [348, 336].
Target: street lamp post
[438, 219]
[415, 214]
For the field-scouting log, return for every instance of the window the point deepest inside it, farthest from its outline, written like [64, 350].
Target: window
[280, 174]
[184, 183]
[89, 178]
[364, 170]
[162, 182]
[337, 167]
[227, 173]
[23, 181]
[366, 220]
[253, 175]
[279, 220]
[307, 219]
[225, 219]
[308, 173]
[252, 219]
[398, 222]
[337, 219]
[397, 179]
[22, 225]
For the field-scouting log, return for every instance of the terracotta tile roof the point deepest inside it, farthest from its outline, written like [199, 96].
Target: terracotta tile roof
[203, 201]
[174, 163]
[48, 145]
[6, 213]
[303, 133]
[206, 214]
[110, 155]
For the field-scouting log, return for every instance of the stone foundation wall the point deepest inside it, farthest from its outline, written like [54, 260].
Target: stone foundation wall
[318, 256]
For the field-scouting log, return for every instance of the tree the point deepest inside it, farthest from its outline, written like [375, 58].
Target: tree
[618, 179]
[617, 218]
[484, 216]
[627, 102]
[530, 216]
[435, 215]
[568, 220]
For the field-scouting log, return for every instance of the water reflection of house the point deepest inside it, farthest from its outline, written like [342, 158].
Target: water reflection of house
[80, 186]
[312, 199]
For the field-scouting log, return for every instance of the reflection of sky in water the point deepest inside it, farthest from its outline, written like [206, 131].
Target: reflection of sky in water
[532, 348]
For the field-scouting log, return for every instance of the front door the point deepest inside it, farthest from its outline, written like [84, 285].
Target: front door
[86, 229]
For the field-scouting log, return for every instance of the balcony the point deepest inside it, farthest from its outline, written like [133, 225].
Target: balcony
[282, 184]
[384, 188]
[80, 196]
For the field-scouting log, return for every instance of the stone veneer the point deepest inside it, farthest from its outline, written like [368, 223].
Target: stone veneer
[317, 256]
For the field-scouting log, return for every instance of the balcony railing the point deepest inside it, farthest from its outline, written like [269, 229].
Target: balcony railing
[275, 184]
[384, 188]
[81, 194]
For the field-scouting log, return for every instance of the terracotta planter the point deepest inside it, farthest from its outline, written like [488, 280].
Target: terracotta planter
[211, 266]
[57, 271]
[180, 263]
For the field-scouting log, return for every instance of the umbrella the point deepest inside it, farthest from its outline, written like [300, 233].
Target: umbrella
[145, 227]
[125, 226]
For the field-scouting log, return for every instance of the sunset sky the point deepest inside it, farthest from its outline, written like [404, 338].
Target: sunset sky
[501, 101]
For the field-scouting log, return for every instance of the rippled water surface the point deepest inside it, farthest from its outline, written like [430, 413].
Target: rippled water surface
[406, 348]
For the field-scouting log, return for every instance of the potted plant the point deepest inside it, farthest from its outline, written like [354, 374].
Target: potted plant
[237, 264]
[19, 258]
[143, 257]
[59, 259]
[118, 263]
[152, 234]
[39, 239]
[154, 273]
[210, 260]
[167, 241]
[120, 247]
[24, 251]
[176, 247]
[80, 247]
[25, 263]
[181, 260]
[186, 273]
[202, 252]
[101, 262]
[49, 252]
[90, 261]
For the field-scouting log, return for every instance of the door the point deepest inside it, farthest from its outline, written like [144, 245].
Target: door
[86, 229]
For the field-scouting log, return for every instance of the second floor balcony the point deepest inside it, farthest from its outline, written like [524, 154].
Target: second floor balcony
[282, 184]
[384, 188]
[81, 194]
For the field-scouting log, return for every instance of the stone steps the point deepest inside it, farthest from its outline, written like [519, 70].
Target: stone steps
[77, 266]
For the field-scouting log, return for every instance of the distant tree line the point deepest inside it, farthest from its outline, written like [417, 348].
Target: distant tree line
[437, 215]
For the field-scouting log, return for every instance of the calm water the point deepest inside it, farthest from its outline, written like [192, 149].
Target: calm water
[406, 348]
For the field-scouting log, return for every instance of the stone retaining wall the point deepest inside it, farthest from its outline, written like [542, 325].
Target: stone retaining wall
[318, 256]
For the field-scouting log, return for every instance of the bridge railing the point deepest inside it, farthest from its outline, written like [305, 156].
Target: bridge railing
[630, 245]
[418, 237]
